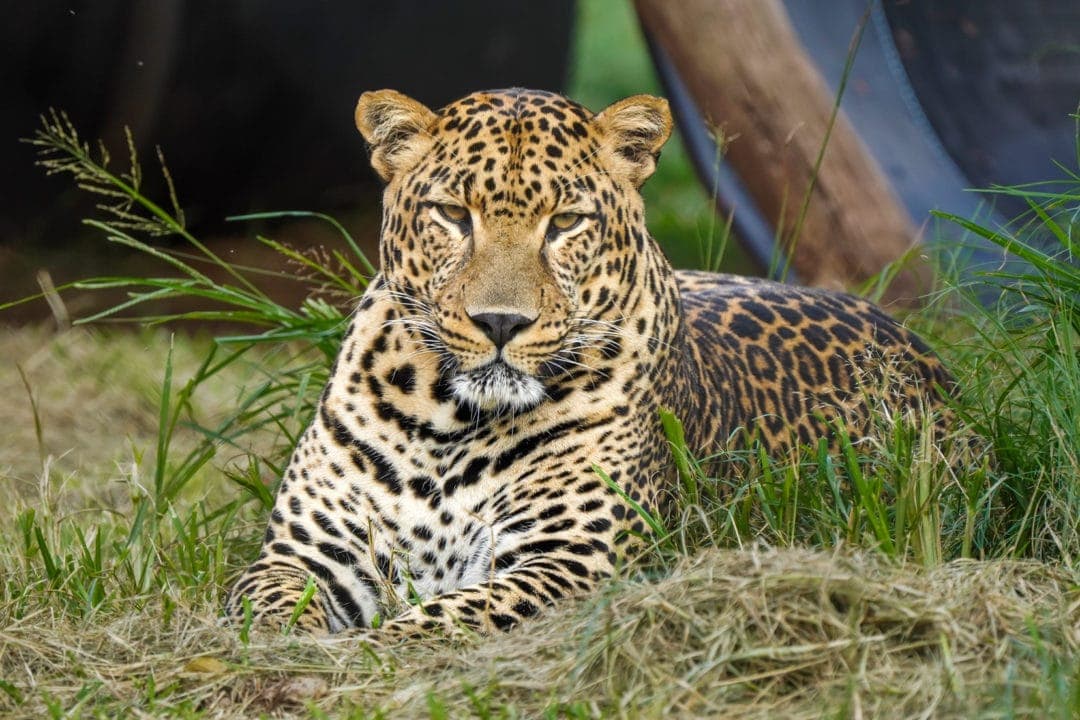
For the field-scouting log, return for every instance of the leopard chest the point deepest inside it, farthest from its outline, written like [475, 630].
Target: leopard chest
[426, 515]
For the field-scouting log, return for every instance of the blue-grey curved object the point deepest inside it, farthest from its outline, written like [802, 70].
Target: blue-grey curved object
[948, 96]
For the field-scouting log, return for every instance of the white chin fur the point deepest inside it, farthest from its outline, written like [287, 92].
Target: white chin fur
[498, 388]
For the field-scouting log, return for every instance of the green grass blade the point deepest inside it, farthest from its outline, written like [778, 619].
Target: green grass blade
[368, 267]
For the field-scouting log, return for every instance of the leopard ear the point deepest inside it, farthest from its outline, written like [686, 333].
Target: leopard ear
[396, 127]
[634, 130]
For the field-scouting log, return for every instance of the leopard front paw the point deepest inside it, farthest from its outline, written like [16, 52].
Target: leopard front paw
[278, 600]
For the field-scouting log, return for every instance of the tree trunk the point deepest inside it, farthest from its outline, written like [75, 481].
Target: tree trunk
[752, 80]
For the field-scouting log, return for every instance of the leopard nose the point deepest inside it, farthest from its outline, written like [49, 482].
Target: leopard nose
[500, 327]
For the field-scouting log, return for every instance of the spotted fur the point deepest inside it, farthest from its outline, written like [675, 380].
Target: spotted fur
[524, 329]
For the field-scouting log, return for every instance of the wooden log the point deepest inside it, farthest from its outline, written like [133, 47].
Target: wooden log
[749, 75]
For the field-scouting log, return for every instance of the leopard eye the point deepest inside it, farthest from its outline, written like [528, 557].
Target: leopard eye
[563, 222]
[455, 214]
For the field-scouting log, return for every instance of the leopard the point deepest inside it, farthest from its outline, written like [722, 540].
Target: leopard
[490, 441]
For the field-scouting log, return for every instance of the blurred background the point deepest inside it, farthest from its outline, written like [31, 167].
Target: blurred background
[251, 103]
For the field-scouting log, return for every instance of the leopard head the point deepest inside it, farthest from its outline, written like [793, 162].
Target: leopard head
[513, 234]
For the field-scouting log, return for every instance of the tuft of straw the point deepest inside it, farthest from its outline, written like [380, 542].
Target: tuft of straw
[756, 633]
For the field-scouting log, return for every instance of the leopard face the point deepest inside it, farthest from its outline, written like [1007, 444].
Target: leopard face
[504, 187]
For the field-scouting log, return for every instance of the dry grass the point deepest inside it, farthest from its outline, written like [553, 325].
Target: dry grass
[753, 633]
[91, 398]
[95, 398]
[756, 633]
